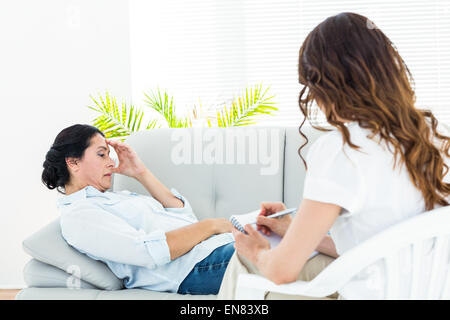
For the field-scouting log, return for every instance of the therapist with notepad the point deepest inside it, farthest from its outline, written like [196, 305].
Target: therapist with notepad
[239, 221]
[383, 162]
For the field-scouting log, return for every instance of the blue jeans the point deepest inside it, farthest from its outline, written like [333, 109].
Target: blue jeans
[206, 276]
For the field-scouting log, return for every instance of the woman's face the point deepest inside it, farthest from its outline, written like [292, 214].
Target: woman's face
[94, 168]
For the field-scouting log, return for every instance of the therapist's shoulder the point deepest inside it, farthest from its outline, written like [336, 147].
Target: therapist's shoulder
[328, 142]
[335, 138]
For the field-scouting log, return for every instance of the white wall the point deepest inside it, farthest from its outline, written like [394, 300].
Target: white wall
[53, 55]
[204, 50]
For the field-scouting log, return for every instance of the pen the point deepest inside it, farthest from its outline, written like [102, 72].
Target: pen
[282, 213]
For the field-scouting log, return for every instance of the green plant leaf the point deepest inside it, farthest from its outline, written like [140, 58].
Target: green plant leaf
[246, 108]
[115, 121]
[163, 104]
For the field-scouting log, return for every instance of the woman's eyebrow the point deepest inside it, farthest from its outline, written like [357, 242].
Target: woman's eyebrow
[102, 147]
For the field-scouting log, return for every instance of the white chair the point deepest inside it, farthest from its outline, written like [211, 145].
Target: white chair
[413, 235]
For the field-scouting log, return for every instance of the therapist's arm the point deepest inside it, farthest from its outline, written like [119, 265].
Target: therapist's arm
[306, 233]
[280, 226]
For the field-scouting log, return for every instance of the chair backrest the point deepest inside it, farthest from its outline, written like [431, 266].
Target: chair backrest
[422, 240]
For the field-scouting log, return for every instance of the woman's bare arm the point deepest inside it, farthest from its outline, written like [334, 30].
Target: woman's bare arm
[182, 240]
[158, 190]
[132, 166]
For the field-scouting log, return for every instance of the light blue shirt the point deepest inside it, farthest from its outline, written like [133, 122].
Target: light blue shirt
[126, 230]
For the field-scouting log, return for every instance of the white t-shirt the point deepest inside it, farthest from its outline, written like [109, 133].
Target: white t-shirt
[373, 195]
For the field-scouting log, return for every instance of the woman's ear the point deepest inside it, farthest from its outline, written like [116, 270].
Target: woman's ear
[72, 164]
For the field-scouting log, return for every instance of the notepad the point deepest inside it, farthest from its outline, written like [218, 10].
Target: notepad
[240, 220]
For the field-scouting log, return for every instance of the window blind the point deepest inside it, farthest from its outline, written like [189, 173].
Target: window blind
[205, 52]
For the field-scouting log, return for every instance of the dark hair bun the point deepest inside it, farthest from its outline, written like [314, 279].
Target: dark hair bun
[55, 172]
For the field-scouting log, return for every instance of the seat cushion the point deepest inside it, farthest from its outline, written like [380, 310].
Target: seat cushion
[48, 246]
[93, 294]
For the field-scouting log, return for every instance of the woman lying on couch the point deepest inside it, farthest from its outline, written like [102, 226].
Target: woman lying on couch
[151, 242]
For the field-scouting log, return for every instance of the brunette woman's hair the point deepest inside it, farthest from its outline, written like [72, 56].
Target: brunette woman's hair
[70, 142]
[351, 69]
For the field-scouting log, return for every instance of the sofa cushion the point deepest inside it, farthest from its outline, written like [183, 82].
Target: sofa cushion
[48, 246]
[93, 294]
[38, 274]
[231, 170]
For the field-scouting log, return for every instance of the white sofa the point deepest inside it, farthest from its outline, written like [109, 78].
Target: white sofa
[270, 171]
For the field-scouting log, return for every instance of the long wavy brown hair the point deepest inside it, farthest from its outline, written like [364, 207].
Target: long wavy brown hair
[354, 72]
